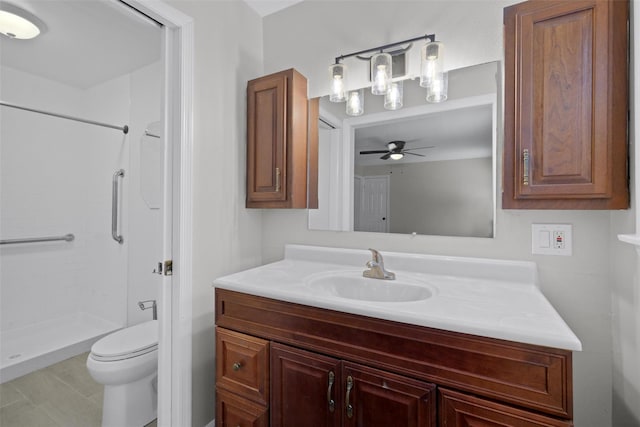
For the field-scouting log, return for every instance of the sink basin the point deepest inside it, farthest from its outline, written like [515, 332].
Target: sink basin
[353, 286]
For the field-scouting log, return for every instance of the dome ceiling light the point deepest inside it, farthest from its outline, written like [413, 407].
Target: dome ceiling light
[17, 23]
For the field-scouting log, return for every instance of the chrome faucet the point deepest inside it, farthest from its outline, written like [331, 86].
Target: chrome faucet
[376, 268]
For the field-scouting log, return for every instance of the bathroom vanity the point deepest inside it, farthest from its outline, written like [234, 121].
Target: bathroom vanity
[307, 341]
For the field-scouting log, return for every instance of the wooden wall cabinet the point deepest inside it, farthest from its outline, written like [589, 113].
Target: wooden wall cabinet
[566, 105]
[325, 365]
[277, 142]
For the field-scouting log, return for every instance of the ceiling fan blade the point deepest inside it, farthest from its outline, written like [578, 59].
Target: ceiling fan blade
[418, 148]
[386, 156]
[415, 154]
[374, 152]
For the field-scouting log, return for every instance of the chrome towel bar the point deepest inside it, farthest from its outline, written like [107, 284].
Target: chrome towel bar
[67, 238]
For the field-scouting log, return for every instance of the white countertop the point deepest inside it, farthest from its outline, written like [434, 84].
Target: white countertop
[490, 298]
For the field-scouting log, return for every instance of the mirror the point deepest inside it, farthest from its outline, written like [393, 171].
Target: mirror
[443, 184]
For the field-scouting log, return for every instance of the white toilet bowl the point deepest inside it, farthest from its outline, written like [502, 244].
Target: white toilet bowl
[126, 362]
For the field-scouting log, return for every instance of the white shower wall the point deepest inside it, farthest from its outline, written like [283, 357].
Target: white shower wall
[56, 179]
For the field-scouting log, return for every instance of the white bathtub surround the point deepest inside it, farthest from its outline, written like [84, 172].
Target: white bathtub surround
[33, 347]
[491, 298]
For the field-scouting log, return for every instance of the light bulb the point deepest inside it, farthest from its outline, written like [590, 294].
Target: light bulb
[337, 74]
[393, 98]
[355, 102]
[380, 73]
[396, 156]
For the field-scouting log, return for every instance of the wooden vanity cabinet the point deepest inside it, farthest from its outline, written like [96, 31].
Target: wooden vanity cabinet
[277, 129]
[399, 374]
[319, 391]
[566, 105]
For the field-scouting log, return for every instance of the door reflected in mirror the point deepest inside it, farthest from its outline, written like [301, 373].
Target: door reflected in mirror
[425, 169]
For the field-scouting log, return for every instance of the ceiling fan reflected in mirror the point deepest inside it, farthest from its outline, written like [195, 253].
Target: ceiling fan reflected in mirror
[395, 151]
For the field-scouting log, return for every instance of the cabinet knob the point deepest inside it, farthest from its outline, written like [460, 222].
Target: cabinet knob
[237, 366]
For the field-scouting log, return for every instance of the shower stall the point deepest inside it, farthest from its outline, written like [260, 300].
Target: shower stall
[81, 180]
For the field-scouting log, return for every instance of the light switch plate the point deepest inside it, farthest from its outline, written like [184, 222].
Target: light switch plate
[551, 239]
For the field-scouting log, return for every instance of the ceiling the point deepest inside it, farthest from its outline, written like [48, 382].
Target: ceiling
[85, 42]
[267, 7]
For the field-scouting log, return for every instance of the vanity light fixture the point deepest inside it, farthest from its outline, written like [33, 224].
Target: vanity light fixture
[432, 75]
[17, 23]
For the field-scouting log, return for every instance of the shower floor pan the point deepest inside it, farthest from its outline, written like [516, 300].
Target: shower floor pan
[27, 349]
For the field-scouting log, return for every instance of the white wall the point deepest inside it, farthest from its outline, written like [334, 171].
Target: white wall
[451, 198]
[228, 53]
[579, 286]
[144, 231]
[56, 177]
[625, 271]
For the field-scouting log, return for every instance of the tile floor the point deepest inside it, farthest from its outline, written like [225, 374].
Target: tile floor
[61, 395]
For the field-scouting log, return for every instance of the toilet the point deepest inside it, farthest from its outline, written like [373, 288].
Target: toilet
[126, 362]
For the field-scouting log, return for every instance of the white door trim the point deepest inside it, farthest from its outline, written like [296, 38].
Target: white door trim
[175, 301]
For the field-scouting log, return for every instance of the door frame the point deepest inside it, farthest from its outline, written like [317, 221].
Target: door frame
[175, 296]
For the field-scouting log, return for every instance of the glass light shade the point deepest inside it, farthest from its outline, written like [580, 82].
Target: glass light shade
[355, 102]
[431, 62]
[380, 73]
[437, 89]
[337, 76]
[393, 98]
[16, 27]
[396, 156]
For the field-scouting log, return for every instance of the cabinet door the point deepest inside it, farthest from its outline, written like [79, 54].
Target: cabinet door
[266, 133]
[375, 398]
[462, 410]
[305, 388]
[566, 90]
[233, 411]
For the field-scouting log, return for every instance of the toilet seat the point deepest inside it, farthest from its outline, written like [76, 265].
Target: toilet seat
[127, 343]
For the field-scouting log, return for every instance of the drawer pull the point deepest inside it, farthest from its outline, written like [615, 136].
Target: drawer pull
[332, 403]
[237, 366]
[525, 166]
[348, 405]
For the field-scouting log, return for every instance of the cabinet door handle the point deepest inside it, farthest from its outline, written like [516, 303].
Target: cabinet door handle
[348, 404]
[277, 179]
[236, 366]
[525, 166]
[332, 403]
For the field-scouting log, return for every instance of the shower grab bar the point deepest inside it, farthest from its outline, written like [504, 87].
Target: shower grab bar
[124, 129]
[115, 199]
[67, 238]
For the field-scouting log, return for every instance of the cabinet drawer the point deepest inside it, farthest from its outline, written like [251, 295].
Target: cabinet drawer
[242, 365]
[233, 411]
[463, 410]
